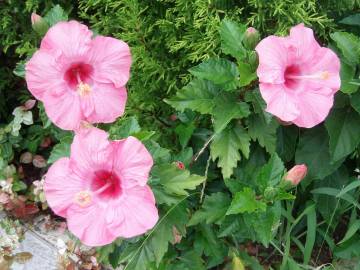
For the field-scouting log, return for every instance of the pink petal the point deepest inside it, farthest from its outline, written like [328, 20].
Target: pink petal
[64, 111]
[280, 101]
[302, 38]
[60, 186]
[108, 103]
[44, 74]
[71, 38]
[272, 59]
[112, 60]
[90, 152]
[314, 106]
[89, 225]
[132, 162]
[327, 61]
[138, 211]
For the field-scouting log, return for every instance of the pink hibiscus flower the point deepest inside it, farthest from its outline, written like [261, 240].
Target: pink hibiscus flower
[298, 78]
[101, 189]
[79, 78]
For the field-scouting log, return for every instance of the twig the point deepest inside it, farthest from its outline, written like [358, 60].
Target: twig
[204, 183]
[204, 147]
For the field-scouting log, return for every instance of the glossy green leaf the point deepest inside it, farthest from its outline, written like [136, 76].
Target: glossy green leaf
[245, 201]
[62, 149]
[232, 34]
[349, 45]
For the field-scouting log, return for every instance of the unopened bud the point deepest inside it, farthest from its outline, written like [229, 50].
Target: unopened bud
[26, 158]
[46, 142]
[29, 104]
[251, 38]
[173, 117]
[39, 25]
[296, 174]
[180, 165]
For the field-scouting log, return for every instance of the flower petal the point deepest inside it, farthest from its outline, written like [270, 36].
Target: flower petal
[89, 225]
[90, 152]
[132, 162]
[72, 38]
[280, 101]
[302, 38]
[64, 110]
[314, 106]
[44, 74]
[272, 59]
[60, 186]
[138, 211]
[112, 60]
[108, 103]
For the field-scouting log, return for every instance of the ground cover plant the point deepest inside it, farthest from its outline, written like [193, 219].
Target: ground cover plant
[234, 135]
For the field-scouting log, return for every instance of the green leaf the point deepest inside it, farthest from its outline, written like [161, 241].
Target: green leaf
[176, 181]
[349, 45]
[263, 132]
[18, 186]
[55, 15]
[353, 228]
[286, 141]
[212, 210]
[198, 96]
[226, 146]
[219, 71]
[347, 74]
[355, 101]
[313, 150]
[349, 187]
[245, 201]
[124, 128]
[247, 74]
[343, 126]
[232, 35]
[62, 149]
[310, 235]
[226, 109]
[271, 173]
[351, 20]
[184, 133]
[20, 69]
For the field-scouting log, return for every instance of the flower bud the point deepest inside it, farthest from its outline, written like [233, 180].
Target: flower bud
[251, 38]
[39, 25]
[39, 161]
[29, 104]
[296, 174]
[26, 158]
[180, 165]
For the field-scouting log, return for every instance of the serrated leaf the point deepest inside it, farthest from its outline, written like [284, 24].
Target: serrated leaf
[313, 150]
[343, 126]
[62, 149]
[264, 133]
[176, 181]
[232, 35]
[349, 45]
[226, 146]
[219, 71]
[247, 74]
[245, 201]
[184, 133]
[198, 96]
[55, 15]
[226, 109]
[270, 174]
[212, 210]
[124, 128]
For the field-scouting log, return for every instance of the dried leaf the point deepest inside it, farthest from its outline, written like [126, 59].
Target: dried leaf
[22, 257]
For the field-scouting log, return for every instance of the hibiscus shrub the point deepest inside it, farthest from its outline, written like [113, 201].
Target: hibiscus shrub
[250, 161]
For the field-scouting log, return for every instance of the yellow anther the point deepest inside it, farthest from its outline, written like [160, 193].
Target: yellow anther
[83, 198]
[83, 89]
[325, 75]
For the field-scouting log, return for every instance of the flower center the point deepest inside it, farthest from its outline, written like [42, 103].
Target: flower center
[78, 77]
[293, 76]
[106, 185]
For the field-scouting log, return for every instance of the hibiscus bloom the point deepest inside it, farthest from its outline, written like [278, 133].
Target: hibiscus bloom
[79, 78]
[298, 78]
[101, 189]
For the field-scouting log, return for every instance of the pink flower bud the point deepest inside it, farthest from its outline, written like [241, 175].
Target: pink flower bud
[46, 142]
[296, 174]
[251, 38]
[251, 30]
[180, 165]
[39, 161]
[173, 117]
[29, 104]
[35, 18]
